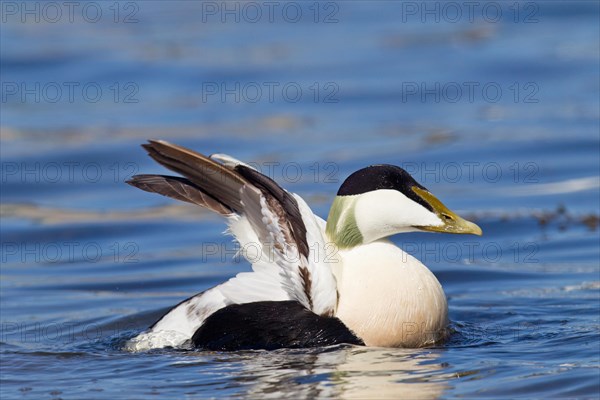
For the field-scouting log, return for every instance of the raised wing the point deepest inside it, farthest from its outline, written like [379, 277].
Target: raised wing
[292, 263]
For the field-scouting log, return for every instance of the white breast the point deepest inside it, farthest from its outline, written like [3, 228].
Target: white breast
[388, 298]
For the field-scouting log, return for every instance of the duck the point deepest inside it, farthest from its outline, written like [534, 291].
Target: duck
[313, 282]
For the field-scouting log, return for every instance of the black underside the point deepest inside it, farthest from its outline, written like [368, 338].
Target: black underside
[270, 325]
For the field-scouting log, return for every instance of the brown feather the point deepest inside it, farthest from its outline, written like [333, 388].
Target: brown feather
[306, 284]
[213, 178]
[179, 189]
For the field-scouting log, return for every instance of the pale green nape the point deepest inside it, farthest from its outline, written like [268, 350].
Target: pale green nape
[341, 223]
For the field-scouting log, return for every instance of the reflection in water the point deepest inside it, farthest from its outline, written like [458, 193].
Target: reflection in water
[339, 372]
[388, 373]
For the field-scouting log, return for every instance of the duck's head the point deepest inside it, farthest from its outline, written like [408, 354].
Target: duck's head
[383, 200]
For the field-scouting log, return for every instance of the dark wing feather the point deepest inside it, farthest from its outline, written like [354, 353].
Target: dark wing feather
[179, 189]
[213, 178]
[224, 184]
[285, 206]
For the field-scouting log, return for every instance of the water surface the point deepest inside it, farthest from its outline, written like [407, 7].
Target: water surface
[88, 262]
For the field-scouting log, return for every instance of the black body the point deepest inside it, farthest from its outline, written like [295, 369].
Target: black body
[270, 325]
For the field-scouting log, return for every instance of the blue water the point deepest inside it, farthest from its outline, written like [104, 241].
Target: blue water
[498, 115]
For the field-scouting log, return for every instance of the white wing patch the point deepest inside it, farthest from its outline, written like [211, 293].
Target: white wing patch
[322, 257]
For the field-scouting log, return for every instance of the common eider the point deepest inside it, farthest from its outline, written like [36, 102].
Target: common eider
[315, 282]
